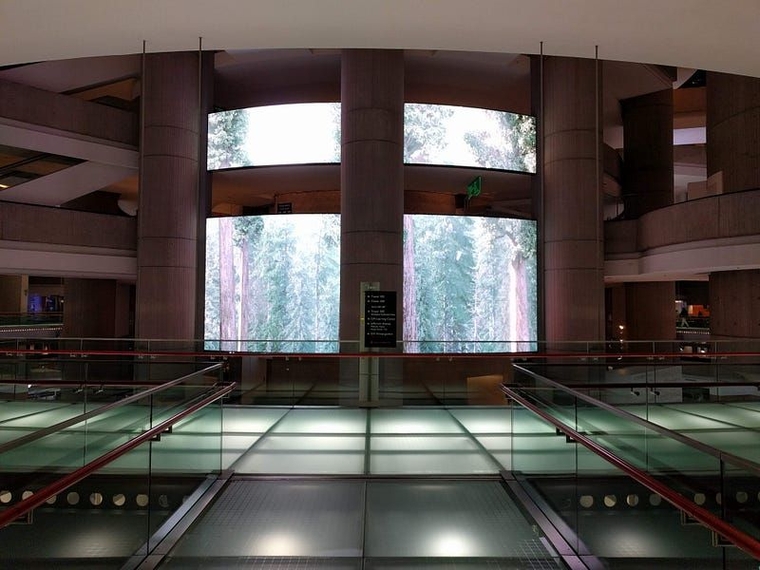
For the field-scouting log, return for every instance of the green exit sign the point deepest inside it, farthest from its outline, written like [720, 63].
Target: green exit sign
[474, 187]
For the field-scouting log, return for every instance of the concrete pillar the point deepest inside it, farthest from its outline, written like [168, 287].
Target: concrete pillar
[170, 198]
[733, 162]
[733, 131]
[648, 152]
[650, 312]
[13, 293]
[95, 308]
[614, 303]
[372, 179]
[735, 304]
[647, 186]
[572, 202]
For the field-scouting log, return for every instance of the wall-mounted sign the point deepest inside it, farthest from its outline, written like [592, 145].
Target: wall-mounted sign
[380, 319]
[285, 208]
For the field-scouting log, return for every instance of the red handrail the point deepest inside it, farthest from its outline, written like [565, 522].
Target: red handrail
[215, 354]
[742, 540]
[26, 505]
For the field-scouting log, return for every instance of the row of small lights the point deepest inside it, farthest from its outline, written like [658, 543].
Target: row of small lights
[96, 499]
[587, 501]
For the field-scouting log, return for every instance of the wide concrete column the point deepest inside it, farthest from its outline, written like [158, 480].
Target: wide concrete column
[650, 312]
[648, 148]
[96, 308]
[372, 179]
[168, 216]
[647, 186]
[735, 304]
[733, 160]
[572, 202]
[14, 293]
[733, 131]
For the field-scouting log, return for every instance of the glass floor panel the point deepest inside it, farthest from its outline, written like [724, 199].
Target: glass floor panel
[428, 455]
[413, 421]
[499, 447]
[699, 417]
[279, 519]
[33, 414]
[446, 519]
[305, 454]
[309, 441]
[484, 420]
[323, 421]
[353, 524]
[247, 419]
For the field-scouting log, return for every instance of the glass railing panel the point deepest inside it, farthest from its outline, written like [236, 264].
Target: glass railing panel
[690, 468]
[386, 380]
[106, 518]
[626, 525]
[191, 451]
[26, 408]
[44, 437]
[537, 448]
[107, 515]
[102, 519]
[738, 498]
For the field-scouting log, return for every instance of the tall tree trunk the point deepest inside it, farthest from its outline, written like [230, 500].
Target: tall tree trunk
[227, 315]
[245, 292]
[522, 309]
[410, 284]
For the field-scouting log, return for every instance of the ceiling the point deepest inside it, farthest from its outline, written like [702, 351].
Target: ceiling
[686, 33]
[691, 33]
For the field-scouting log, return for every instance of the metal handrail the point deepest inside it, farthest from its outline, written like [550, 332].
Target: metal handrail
[219, 353]
[724, 456]
[40, 433]
[660, 384]
[25, 506]
[732, 534]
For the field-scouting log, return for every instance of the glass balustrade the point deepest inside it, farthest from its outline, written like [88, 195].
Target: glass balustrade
[399, 414]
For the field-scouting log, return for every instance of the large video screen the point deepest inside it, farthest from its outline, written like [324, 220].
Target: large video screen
[307, 133]
[299, 133]
[469, 136]
[470, 284]
[273, 283]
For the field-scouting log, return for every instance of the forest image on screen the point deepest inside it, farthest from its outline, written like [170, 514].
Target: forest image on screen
[469, 284]
[302, 133]
[273, 283]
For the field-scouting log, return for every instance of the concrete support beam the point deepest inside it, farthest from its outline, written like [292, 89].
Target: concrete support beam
[64, 112]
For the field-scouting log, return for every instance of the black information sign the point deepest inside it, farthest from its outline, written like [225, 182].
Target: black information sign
[285, 208]
[380, 319]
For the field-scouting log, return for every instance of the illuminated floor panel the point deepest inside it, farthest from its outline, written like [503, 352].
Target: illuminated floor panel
[428, 455]
[312, 455]
[445, 519]
[309, 441]
[340, 524]
[279, 519]
[414, 421]
[484, 420]
[324, 421]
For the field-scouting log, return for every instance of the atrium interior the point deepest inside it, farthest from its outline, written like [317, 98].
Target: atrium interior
[340, 289]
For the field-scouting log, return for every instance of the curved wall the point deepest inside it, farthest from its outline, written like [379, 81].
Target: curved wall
[717, 233]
